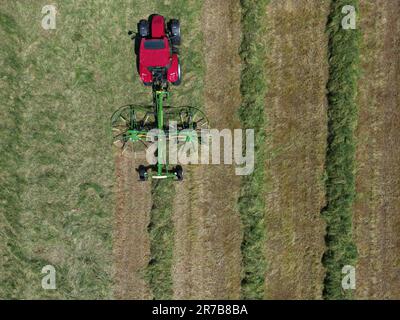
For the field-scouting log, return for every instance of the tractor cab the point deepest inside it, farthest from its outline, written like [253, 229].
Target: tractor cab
[153, 53]
[158, 55]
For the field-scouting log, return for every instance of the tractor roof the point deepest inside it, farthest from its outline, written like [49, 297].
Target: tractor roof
[154, 52]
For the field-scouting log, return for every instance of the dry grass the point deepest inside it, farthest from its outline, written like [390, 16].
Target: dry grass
[131, 239]
[296, 110]
[207, 257]
[376, 210]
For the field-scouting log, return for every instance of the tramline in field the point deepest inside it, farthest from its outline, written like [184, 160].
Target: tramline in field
[158, 66]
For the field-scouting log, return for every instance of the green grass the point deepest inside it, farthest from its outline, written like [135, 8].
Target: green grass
[16, 264]
[191, 57]
[340, 157]
[10, 181]
[58, 90]
[251, 201]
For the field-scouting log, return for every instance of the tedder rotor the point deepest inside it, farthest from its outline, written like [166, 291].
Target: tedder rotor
[163, 123]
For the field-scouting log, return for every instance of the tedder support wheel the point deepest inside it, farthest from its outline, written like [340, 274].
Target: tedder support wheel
[142, 173]
[179, 173]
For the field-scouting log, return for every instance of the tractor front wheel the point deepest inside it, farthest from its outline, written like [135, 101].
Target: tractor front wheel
[143, 27]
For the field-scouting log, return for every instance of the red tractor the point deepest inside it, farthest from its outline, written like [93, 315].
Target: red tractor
[157, 54]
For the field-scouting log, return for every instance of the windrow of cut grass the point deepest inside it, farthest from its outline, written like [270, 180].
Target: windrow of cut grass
[251, 201]
[158, 272]
[340, 156]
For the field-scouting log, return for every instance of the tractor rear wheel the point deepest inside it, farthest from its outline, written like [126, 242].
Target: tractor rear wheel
[143, 27]
[178, 82]
[175, 31]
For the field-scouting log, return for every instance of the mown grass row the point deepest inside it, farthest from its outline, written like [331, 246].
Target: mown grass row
[159, 270]
[251, 202]
[340, 157]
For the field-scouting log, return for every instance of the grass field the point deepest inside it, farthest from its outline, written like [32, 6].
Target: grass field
[60, 87]
[324, 105]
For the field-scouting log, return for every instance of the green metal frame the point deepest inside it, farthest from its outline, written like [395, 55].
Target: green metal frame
[137, 135]
[137, 132]
[159, 98]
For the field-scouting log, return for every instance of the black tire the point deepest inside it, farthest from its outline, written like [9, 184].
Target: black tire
[179, 173]
[178, 82]
[143, 28]
[147, 84]
[176, 41]
[175, 30]
[175, 50]
[142, 173]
